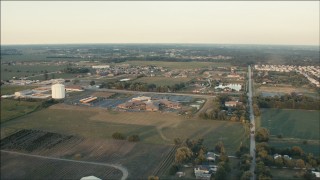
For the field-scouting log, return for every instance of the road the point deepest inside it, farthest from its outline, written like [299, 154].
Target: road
[124, 171]
[252, 139]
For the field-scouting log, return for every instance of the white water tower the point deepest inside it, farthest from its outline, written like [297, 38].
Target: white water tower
[58, 91]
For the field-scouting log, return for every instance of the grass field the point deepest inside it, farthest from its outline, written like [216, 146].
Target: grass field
[36, 168]
[152, 127]
[162, 81]
[13, 108]
[302, 124]
[297, 127]
[286, 90]
[178, 65]
[285, 174]
[7, 72]
[12, 89]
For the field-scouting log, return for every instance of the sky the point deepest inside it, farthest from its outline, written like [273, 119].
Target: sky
[216, 22]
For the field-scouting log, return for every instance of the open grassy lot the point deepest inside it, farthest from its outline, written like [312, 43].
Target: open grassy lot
[138, 158]
[13, 108]
[7, 72]
[23, 167]
[12, 89]
[286, 89]
[297, 127]
[302, 124]
[152, 127]
[285, 174]
[162, 81]
[178, 65]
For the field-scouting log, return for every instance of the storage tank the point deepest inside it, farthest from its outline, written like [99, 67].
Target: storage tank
[58, 91]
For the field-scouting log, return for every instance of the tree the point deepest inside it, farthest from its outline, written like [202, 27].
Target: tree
[201, 157]
[133, 138]
[279, 162]
[296, 151]
[183, 154]
[220, 147]
[246, 175]
[92, 83]
[221, 173]
[118, 135]
[300, 164]
[262, 135]
[177, 141]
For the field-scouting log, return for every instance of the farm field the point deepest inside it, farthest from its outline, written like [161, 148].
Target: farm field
[285, 90]
[302, 124]
[23, 167]
[152, 127]
[178, 65]
[297, 127]
[162, 81]
[7, 72]
[60, 148]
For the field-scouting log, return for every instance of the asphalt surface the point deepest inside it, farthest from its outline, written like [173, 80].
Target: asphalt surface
[252, 139]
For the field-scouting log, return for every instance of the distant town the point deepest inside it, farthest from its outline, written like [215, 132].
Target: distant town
[160, 112]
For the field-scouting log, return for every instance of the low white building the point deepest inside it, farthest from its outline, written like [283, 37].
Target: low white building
[23, 93]
[101, 66]
[90, 178]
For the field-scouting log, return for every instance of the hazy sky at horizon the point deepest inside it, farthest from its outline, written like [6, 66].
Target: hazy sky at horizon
[249, 22]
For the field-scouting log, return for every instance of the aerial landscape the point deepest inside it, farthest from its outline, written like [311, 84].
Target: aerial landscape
[86, 100]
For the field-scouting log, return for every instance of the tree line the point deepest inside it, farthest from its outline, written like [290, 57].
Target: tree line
[288, 101]
[140, 86]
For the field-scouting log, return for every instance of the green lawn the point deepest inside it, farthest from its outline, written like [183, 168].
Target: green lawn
[295, 126]
[13, 108]
[302, 124]
[12, 89]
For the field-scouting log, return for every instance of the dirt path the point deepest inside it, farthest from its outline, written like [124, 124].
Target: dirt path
[208, 104]
[124, 170]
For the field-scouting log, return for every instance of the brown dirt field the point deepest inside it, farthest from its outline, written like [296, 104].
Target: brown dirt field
[208, 104]
[278, 89]
[138, 118]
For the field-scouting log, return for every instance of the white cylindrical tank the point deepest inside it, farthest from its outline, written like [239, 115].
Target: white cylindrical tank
[58, 91]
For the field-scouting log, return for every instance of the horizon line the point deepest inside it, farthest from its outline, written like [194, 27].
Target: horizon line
[158, 44]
